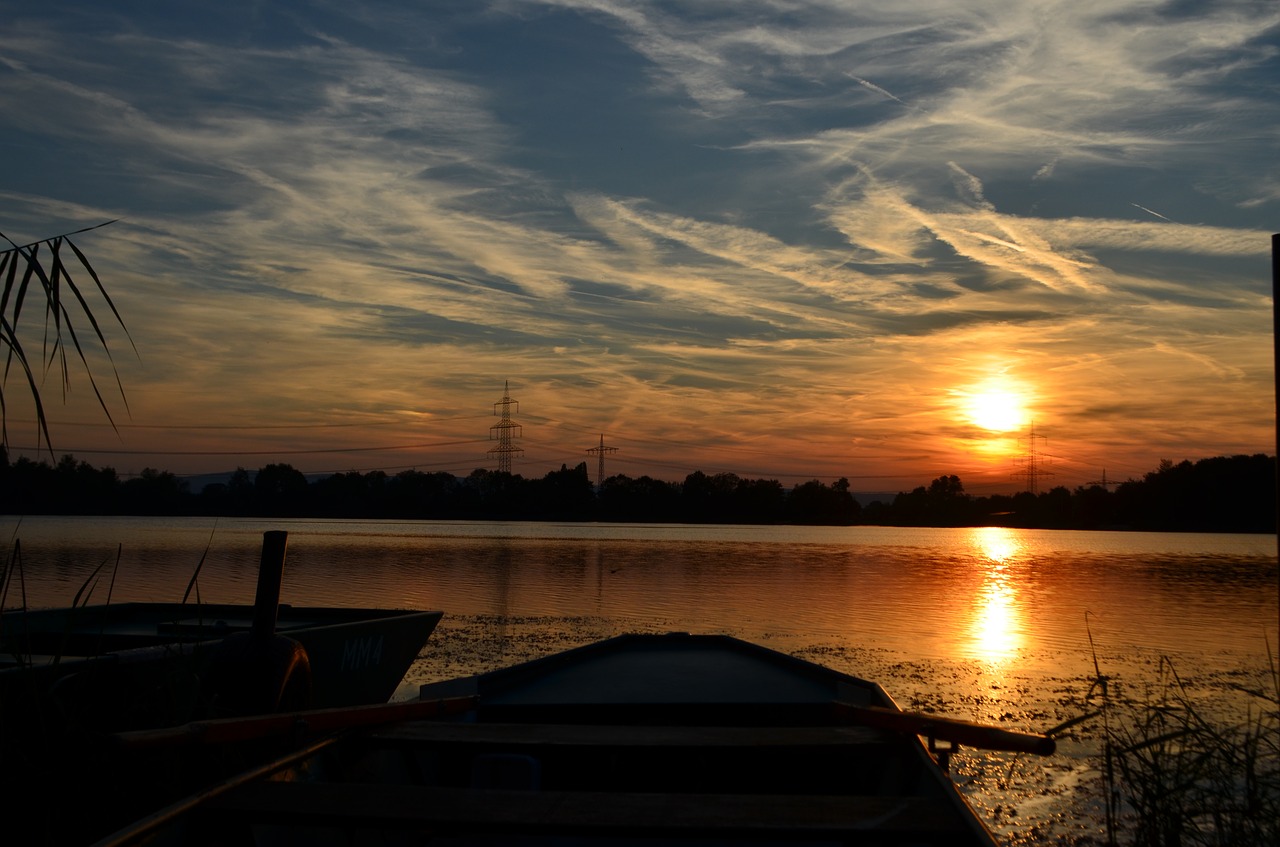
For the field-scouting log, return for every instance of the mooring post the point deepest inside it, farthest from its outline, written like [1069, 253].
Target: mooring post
[266, 604]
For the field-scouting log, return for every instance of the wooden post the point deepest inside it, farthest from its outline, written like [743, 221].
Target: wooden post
[266, 604]
[1275, 343]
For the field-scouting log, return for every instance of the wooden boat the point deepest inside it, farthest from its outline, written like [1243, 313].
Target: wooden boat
[637, 739]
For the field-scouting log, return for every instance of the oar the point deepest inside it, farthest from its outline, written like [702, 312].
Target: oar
[936, 727]
[141, 831]
[315, 721]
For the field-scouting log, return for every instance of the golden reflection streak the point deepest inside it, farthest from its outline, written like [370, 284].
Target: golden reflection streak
[996, 623]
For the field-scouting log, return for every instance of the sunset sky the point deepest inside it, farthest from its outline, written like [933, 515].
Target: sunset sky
[792, 240]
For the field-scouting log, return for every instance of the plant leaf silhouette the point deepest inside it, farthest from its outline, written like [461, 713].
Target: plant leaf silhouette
[65, 306]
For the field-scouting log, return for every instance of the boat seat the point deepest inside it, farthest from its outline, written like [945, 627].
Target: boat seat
[430, 733]
[511, 771]
[445, 811]
[639, 758]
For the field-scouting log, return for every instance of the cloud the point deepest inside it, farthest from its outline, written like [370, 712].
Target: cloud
[692, 226]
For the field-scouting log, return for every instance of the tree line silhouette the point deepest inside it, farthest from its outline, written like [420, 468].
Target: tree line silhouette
[1221, 494]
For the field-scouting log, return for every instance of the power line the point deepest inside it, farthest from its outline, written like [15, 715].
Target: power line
[251, 427]
[295, 452]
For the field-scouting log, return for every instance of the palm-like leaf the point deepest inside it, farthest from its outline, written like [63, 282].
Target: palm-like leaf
[42, 262]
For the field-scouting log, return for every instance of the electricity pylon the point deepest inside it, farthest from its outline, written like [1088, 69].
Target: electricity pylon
[505, 430]
[600, 451]
[1032, 464]
[1103, 482]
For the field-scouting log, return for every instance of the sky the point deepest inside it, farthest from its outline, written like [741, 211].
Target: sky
[785, 240]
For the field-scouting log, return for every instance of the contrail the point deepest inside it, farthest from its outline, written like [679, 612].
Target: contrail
[877, 89]
[1149, 212]
[968, 182]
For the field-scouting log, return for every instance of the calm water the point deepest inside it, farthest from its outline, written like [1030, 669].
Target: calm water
[991, 624]
[1007, 597]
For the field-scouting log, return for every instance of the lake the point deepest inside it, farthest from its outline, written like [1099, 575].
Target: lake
[989, 624]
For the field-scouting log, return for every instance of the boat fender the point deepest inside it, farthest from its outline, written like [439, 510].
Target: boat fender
[251, 675]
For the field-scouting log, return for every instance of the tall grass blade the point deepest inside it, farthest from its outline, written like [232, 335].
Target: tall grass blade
[195, 576]
[85, 591]
[13, 565]
[111, 587]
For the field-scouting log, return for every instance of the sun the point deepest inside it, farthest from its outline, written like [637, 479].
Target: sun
[996, 406]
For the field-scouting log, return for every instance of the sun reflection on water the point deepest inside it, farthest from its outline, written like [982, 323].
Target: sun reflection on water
[996, 622]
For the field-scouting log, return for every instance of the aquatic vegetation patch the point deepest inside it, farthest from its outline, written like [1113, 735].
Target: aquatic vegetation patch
[1181, 772]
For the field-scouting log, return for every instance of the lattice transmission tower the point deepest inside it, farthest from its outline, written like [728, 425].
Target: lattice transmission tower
[1103, 483]
[1031, 465]
[599, 453]
[505, 431]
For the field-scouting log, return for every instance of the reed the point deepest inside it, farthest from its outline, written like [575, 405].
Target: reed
[1178, 775]
[10, 569]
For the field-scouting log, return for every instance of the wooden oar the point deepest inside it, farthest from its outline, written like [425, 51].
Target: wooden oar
[313, 722]
[141, 831]
[953, 730]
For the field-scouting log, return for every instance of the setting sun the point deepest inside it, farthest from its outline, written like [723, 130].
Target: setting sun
[995, 406]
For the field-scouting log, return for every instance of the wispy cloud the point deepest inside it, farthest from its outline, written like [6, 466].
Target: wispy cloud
[750, 237]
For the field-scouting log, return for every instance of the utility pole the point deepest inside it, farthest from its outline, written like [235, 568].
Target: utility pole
[1032, 463]
[600, 451]
[505, 430]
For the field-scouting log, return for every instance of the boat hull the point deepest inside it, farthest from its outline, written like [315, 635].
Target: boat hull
[639, 739]
[133, 665]
[77, 676]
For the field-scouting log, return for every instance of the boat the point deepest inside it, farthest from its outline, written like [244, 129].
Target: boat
[71, 678]
[678, 738]
[112, 667]
[103, 666]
